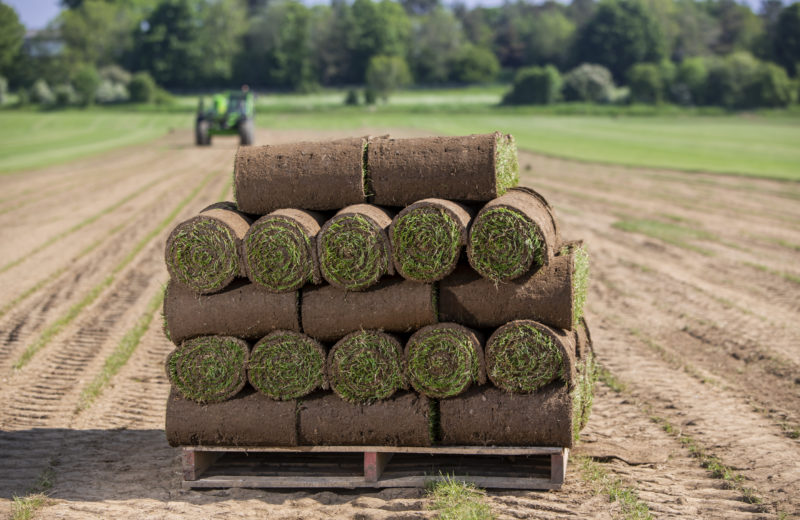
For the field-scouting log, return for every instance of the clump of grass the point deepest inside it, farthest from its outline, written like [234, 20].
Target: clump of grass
[286, 365]
[521, 359]
[279, 255]
[442, 361]
[616, 490]
[426, 243]
[504, 244]
[668, 232]
[583, 394]
[580, 282]
[23, 508]
[506, 163]
[365, 366]
[353, 252]
[457, 500]
[209, 369]
[203, 254]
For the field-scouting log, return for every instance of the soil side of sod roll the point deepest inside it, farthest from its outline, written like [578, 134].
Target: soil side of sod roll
[489, 416]
[205, 252]
[393, 305]
[366, 366]
[243, 309]
[427, 238]
[286, 365]
[209, 369]
[512, 235]
[522, 356]
[444, 360]
[280, 249]
[466, 168]
[402, 420]
[308, 175]
[353, 247]
[249, 419]
[545, 295]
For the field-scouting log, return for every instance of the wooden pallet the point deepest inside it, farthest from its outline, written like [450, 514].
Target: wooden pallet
[354, 467]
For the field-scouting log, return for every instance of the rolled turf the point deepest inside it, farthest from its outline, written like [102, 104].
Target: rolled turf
[427, 237]
[366, 366]
[393, 305]
[473, 167]
[523, 356]
[209, 369]
[316, 176]
[353, 247]
[553, 295]
[280, 250]
[204, 252]
[249, 419]
[244, 310]
[583, 391]
[286, 365]
[402, 420]
[489, 416]
[443, 360]
[512, 235]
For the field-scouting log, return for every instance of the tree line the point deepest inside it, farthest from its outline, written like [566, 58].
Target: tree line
[699, 52]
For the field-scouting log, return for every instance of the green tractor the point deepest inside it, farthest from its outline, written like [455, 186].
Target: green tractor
[229, 114]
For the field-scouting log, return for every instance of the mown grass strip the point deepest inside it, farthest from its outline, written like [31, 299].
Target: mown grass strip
[457, 500]
[121, 354]
[613, 488]
[82, 224]
[57, 326]
[668, 232]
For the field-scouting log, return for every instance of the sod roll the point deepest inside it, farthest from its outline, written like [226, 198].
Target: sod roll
[393, 305]
[443, 360]
[316, 176]
[512, 235]
[583, 391]
[489, 416]
[249, 419]
[522, 356]
[204, 252]
[209, 369]
[280, 250]
[366, 366]
[353, 247]
[473, 167]
[427, 238]
[553, 295]
[286, 365]
[402, 420]
[243, 309]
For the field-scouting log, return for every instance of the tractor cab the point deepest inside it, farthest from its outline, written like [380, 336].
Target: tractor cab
[227, 114]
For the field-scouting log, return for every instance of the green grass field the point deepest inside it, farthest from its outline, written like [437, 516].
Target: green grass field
[755, 144]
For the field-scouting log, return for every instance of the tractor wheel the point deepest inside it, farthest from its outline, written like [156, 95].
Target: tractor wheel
[201, 135]
[246, 132]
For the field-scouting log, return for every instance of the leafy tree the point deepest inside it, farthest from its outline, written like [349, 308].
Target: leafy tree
[420, 6]
[771, 87]
[690, 82]
[547, 36]
[41, 93]
[740, 28]
[646, 83]
[475, 65]
[86, 81]
[729, 79]
[97, 32]
[436, 43]
[12, 34]
[620, 34]
[333, 41]
[535, 86]
[786, 40]
[386, 74]
[695, 30]
[589, 82]
[382, 28]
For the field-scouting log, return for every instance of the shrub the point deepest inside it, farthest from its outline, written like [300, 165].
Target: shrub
[386, 74]
[729, 78]
[110, 92]
[535, 86]
[352, 97]
[41, 93]
[65, 95]
[589, 82]
[646, 83]
[142, 88]
[3, 90]
[475, 65]
[771, 87]
[690, 82]
[116, 75]
[370, 96]
[86, 81]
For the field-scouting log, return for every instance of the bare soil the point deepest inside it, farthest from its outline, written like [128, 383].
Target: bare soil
[700, 325]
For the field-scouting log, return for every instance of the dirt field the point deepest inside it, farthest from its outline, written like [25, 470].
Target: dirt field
[694, 302]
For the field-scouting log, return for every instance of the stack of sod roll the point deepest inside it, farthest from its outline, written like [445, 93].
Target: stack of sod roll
[377, 291]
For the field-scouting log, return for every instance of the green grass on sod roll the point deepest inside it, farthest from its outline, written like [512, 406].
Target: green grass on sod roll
[505, 245]
[507, 164]
[522, 359]
[203, 254]
[353, 252]
[583, 394]
[366, 366]
[286, 365]
[442, 363]
[580, 282]
[279, 255]
[426, 242]
[209, 369]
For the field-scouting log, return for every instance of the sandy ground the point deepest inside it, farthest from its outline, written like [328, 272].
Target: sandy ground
[702, 330]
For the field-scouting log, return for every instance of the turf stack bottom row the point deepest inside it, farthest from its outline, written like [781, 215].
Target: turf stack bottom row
[377, 292]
